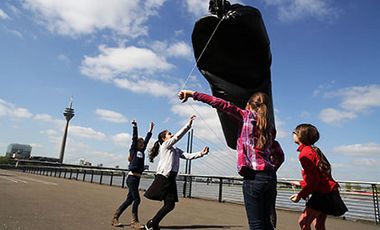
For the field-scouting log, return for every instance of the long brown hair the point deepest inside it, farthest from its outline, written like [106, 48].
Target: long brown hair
[153, 152]
[308, 134]
[261, 104]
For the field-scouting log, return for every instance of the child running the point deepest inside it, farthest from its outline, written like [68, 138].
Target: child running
[164, 186]
[317, 181]
[136, 167]
[256, 135]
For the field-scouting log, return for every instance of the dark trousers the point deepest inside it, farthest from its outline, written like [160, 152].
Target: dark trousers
[168, 207]
[259, 198]
[133, 183]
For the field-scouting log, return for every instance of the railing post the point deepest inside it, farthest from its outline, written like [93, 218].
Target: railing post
[111, 178]
[76, 176]
[123, 182]
[190, 184]
[101, 177]
[376, 203]
[84, 175]
[92, 176]
[220, 189]
[184, 185]
[71, 173]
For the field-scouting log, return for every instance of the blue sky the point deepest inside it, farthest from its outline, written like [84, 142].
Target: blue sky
[127, 59]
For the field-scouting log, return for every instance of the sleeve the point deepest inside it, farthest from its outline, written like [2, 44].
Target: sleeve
[146, 141]
[220, 104]
[277, 156]
[189, 156]
[310, 177]
[169, 143]
[134, 139]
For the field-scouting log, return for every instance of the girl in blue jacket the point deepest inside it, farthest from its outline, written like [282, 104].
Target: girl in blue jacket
[136, 167]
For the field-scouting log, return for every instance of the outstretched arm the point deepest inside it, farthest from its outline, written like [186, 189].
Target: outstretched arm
[215, 102]
[190, 156]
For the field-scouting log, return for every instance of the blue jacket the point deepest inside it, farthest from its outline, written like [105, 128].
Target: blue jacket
[136, 164]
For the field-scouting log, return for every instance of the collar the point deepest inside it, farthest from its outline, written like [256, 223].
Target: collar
[300, 147]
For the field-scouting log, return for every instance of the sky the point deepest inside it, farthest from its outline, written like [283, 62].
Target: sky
[121, 60]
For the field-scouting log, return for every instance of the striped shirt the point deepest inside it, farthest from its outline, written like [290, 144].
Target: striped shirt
[248, 156]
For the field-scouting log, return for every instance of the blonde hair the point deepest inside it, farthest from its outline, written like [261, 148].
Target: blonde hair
[261, 104]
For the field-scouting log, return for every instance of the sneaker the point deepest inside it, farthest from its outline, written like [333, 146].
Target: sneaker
[147, 228]
[150, 226]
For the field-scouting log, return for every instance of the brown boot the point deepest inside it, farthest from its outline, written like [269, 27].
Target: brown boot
[135, 222]
[115, 220]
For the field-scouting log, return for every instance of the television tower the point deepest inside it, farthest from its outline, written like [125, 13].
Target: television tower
[69, 113]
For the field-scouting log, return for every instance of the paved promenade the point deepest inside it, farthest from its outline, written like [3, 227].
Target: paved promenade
[34, 202]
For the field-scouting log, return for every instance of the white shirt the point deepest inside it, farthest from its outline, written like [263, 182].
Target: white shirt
[169, 155]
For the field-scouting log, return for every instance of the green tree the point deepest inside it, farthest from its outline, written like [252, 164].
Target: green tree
[5, 160]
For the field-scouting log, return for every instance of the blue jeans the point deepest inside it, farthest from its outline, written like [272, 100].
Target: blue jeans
[259, 199]
[133, 183]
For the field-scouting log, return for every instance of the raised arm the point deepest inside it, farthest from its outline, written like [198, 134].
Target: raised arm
[180, 133]
[134, 140]
[215, 102]
[134, 134]
[148, 135]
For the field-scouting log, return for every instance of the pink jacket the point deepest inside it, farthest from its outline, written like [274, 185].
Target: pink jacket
[247, 154]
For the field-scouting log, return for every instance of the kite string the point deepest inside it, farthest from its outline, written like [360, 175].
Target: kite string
[200, 56]
[192, 70]
[208, 127]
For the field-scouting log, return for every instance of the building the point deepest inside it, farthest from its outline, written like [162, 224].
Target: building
[19, 151]
[83, 162]
[44, 159]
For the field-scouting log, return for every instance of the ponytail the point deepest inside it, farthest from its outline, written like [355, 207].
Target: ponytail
[153, 152]
[324, 165]
[260, 103]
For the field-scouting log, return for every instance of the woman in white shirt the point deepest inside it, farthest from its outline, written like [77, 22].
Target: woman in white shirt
[164, 187]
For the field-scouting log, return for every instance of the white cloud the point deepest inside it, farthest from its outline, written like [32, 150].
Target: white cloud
[3, 15]
[86, 133]
[122, 61]
[44, 117]
[369, 149]
[111, 116]
[10, 110]
[152, 87]
[78, 17]
[122, 139]
[207, 124]
[354, 101]
[63, 58]
[180, 49]
[291, 10]
[334, 116]
[358, 98]
[197, 7]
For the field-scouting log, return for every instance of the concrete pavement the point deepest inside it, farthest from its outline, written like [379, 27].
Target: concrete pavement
[35, 202]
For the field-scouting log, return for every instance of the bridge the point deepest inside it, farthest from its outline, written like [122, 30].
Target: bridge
[34, 201]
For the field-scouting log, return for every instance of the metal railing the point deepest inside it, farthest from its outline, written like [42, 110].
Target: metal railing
[360, 197]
